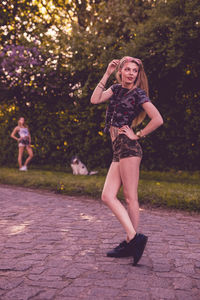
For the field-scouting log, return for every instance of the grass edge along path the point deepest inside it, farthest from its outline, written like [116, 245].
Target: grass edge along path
[157, 189]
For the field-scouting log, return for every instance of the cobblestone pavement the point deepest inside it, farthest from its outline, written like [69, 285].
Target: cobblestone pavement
[54, 247]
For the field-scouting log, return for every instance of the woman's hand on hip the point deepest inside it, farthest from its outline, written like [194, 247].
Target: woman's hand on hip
[128, 131]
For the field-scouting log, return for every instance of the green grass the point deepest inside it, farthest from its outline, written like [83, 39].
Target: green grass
[178, 190]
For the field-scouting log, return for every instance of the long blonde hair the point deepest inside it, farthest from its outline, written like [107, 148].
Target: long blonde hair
[141, 82]
[25, 125]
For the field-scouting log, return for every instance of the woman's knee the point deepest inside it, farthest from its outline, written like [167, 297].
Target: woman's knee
[131, 199]
[31, 155]
[106, 198]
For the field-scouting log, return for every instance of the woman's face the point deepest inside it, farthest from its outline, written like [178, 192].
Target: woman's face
[129, 74]
[21, 121]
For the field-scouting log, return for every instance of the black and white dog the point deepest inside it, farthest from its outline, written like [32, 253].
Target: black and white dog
[78, 168]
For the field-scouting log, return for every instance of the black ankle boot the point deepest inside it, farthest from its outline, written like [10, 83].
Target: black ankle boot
[137, 246]
[120, 251]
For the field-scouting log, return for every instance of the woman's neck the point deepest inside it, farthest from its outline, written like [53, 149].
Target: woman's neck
[128, 86]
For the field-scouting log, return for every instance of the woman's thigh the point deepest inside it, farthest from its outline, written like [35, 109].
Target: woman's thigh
[113, 181]
[21, 150]
[129, 172]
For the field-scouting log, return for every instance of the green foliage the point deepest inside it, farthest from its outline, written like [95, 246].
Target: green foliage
[65, 48]
[168, 43]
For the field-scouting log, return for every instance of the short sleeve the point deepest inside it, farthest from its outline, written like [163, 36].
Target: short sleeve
[115, 87]
[142, 97]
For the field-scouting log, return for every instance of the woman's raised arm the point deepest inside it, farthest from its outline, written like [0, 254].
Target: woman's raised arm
[99, 95]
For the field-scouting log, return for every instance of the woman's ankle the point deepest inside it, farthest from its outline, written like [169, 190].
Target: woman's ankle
[131, 237]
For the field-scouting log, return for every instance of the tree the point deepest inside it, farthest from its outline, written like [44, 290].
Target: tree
[168, 43]
[54, 53]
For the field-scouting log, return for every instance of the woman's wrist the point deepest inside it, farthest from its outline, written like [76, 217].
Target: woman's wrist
[102, 82]
[140, 134]
[101, 85]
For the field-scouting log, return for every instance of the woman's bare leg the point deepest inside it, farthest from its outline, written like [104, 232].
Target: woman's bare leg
[30, 155]
[129, 171]
[20, 154]
[109, 197]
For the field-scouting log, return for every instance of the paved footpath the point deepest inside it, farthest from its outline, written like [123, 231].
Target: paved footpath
[53, 247]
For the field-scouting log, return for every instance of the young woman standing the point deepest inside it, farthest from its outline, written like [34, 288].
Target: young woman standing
[128, 105]
[24, 141]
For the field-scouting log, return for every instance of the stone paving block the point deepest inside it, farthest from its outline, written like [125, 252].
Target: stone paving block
[186, 295]
[85, 267]
[68, 297]
[160, 282]
[76, 292]
[37, 270]
[53, 247]
[170, 275]
[104, 291]
[10, 283]
[162, 293]
[14, 265]
[81, 282]
[135, 295]
[186, 269]
[182, 283]
[49, 294]
[22, 292]
[194, 255]
[2, 292]
[138, 285]
[161, 267]
[52, 282]
[196, 283]
[135, 275]
[111, 283]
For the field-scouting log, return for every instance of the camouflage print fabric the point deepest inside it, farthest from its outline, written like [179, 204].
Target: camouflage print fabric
[124, 147]
[124, 106]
